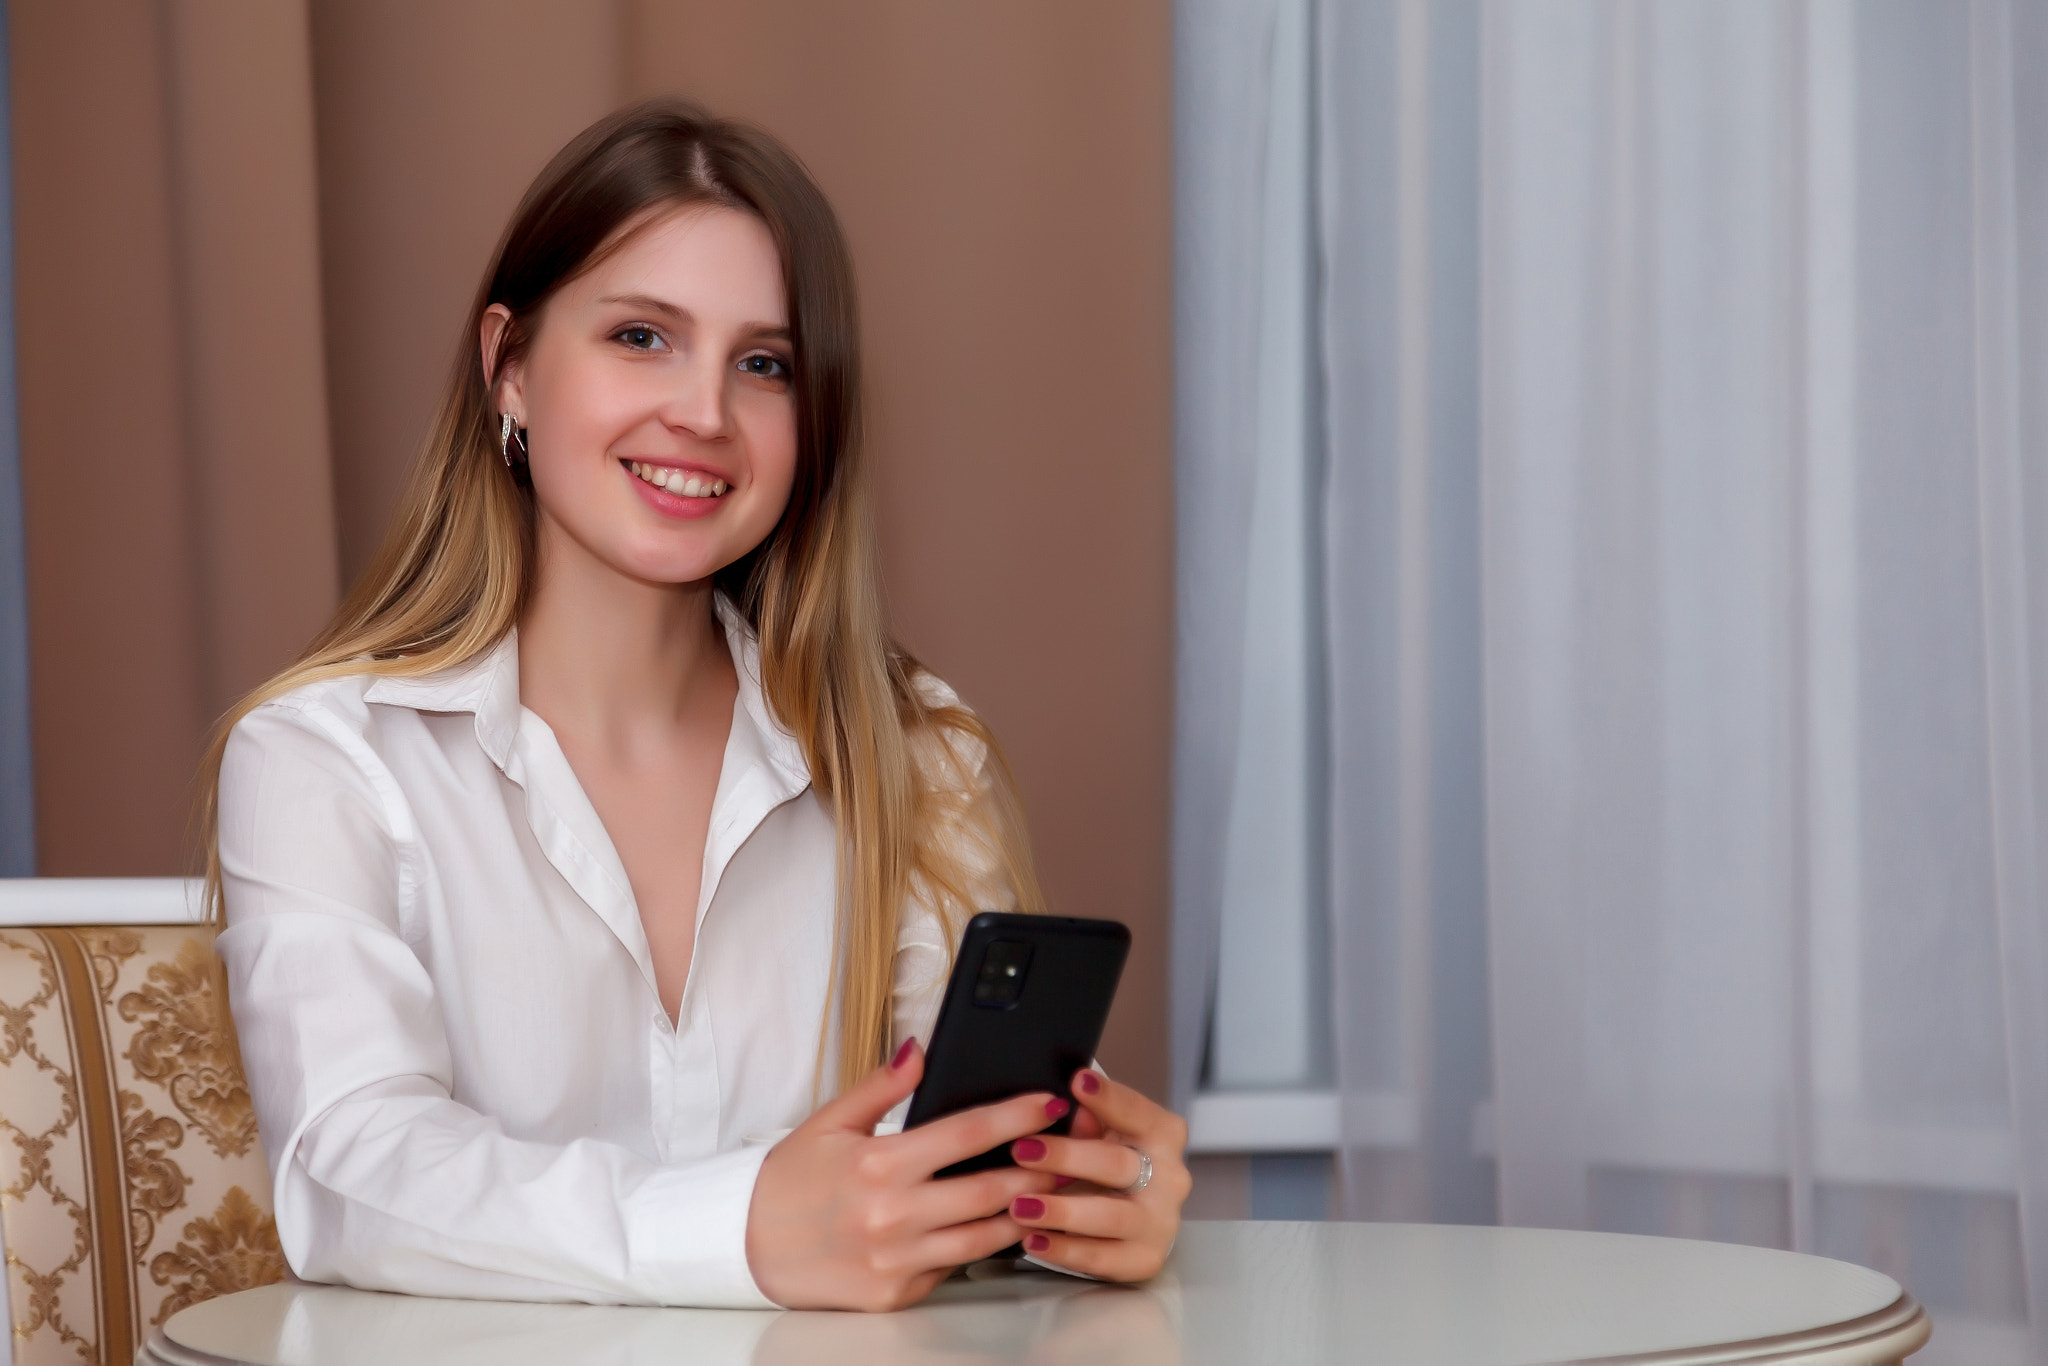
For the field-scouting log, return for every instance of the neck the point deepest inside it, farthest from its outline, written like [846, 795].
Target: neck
[609, 656]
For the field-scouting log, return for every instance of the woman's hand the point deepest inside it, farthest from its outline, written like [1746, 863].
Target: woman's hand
[841, 1219]
[1096, 1224]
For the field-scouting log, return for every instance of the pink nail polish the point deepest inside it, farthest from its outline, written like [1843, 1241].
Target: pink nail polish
[1028, 1150]
[1056, 1107]
[1037, 1242]
[902, 1054]
[1028, 1207]
[1089, 1083]
[1059, 1181]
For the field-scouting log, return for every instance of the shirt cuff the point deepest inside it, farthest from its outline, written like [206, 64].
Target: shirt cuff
[686, 1232]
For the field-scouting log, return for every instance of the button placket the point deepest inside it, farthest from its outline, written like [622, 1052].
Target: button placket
[696, 1099]
[661, 1082]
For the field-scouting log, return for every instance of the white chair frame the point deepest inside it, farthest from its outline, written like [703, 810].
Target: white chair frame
[101, 901]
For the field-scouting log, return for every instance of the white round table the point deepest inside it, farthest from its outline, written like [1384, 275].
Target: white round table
[1359, 1294]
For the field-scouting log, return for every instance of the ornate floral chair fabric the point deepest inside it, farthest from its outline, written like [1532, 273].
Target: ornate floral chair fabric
[132, 1182]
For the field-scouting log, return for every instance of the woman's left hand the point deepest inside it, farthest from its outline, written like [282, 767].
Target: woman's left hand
[1098, 1225]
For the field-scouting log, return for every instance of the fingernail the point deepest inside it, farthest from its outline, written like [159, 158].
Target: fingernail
[902, 1054]
[1089, 1083]
[1037, 1242]
[1027, 1207]
[1059, 1181]
[1028, 1150]
[1056, 1107]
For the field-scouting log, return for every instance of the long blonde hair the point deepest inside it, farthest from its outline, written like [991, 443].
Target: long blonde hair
[923, 802]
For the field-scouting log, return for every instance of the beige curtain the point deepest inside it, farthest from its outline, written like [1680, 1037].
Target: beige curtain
[247, 232]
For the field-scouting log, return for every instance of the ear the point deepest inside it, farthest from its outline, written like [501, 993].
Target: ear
[506, 396]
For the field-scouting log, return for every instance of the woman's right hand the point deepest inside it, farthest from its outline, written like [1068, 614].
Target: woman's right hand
[842, 1219]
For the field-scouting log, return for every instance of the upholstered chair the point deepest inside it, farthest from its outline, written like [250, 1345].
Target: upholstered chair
[132, 1182]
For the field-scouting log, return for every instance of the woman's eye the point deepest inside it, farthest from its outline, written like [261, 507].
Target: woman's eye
[639, 338]
[765, 367]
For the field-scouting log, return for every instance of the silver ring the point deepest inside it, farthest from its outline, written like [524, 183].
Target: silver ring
[1144, 1172]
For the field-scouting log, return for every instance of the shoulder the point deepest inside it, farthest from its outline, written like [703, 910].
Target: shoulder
[934, 692]
[948, 740]
[357, 706]
[968, 839]
[318, 738]
[326, 708]
[332, 713]
[305, 799]
[342, 696]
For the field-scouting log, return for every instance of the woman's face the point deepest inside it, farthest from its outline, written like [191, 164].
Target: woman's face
[656, 394]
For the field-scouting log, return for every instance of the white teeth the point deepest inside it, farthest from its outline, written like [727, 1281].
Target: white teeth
[676, 482]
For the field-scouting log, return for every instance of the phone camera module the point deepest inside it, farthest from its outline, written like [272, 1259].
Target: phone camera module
[999, 984]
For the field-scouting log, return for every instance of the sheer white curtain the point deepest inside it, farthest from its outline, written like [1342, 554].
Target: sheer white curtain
[1247, 728]
[1674, 411]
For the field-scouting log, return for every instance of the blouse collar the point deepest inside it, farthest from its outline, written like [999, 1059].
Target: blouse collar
[487, 686]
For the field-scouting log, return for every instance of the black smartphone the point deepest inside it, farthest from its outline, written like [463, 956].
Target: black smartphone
[1024, 1011]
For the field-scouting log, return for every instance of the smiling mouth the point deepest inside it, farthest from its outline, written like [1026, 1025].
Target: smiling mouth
[682, 483]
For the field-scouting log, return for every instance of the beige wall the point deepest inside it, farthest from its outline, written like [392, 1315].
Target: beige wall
[1002, 168]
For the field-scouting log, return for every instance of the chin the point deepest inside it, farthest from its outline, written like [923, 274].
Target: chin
[664, 559]
[677, 574]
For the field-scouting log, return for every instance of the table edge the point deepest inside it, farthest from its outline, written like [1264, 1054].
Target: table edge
[1888, 1335]
[159, 1350]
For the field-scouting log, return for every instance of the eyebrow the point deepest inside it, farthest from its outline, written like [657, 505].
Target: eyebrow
[654, 305]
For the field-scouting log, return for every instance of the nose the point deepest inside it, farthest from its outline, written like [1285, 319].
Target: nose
[698, 404]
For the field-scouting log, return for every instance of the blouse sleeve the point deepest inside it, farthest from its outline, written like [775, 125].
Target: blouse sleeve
[381, 1179]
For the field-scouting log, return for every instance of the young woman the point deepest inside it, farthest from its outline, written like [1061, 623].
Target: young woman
[604, 832]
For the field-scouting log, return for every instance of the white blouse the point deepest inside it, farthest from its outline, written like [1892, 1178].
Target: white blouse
[465, 1079]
